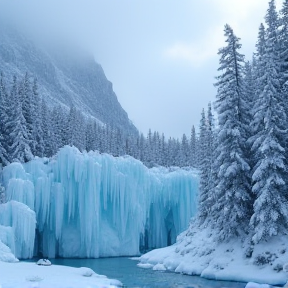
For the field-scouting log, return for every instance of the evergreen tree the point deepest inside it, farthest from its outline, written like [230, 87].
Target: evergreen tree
[19, 137]
[232, 209]
[47, 130]
[37, 132]
[4, 158]
[193, 152]
[185, 155]
[270, 208]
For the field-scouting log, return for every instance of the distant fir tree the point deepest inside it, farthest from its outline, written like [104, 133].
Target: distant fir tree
[47, 130]
[232, 209]
[185, 152]
[4, 158]
[193, 147]
[37, 132]
[203, 163]
[206, 141]
[19, 136]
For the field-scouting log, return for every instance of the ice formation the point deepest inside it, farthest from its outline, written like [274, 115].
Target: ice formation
[17, 228]
[94, 205]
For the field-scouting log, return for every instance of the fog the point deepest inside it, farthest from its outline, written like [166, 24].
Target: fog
[161, 56]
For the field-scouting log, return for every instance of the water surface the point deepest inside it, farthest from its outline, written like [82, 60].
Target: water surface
[126, 271]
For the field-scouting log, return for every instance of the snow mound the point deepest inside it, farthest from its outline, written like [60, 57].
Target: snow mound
[18, 275]
[255, 285]
[159, 267]
[5, 253]
[43, 262]
[197, 253]
[87, 272]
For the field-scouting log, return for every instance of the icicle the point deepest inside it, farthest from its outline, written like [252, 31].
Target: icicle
[93, 205]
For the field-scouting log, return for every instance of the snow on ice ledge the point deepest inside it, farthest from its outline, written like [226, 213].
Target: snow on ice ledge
[93, 205]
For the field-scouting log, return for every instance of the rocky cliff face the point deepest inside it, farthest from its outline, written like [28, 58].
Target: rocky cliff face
[65, 76]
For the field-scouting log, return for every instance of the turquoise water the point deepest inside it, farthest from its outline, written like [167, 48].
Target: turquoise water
[126, 270]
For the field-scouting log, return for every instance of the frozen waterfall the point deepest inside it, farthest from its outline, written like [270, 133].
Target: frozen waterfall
[96, 205]
[17, 228]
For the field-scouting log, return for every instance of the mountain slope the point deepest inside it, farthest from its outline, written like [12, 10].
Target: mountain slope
[67, 77]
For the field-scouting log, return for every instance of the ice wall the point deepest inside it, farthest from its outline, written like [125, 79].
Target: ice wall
[95, 205]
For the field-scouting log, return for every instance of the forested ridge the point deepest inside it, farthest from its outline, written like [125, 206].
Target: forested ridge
[30, 127]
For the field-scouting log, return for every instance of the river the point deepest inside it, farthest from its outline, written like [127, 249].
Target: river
[126, 271]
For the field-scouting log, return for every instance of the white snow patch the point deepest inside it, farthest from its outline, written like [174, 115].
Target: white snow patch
[43, 262]
[28, 275]
[159, 267]
[256, 285]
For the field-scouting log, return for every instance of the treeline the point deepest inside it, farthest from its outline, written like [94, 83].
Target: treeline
[244, 169]
[29, 127]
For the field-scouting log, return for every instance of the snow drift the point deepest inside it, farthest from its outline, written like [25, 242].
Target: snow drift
[196, 252]
[93, 205]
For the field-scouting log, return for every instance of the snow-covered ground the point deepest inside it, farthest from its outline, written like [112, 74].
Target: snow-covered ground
[30, 275]
[15, 274]
[196, 253]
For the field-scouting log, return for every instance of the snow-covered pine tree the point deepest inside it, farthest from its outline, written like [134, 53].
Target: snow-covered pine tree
[270, 208]
[257, 124]
[37, 132]
[19, 137]
[80, 131]
[185, 155]
[25, 96]
[231, 212]
[163, 149]
[141, 148]
[203, 165]
[58, 126]
[4, 158]
[206, 141]
[283, 39]
[91, 134]
[47, 130]
[193, 152]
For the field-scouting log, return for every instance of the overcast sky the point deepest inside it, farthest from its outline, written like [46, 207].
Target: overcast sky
[160, 55]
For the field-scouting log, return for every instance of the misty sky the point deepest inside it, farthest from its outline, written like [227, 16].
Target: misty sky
[160, 55]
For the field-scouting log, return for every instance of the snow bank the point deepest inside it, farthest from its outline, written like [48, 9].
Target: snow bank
[196, 253]
[256, 285]
[5, 253]
[93, 205]
[17, 228]
[28, 275]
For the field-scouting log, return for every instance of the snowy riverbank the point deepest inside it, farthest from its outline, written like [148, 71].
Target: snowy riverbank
[196, 253]
[30, 275]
